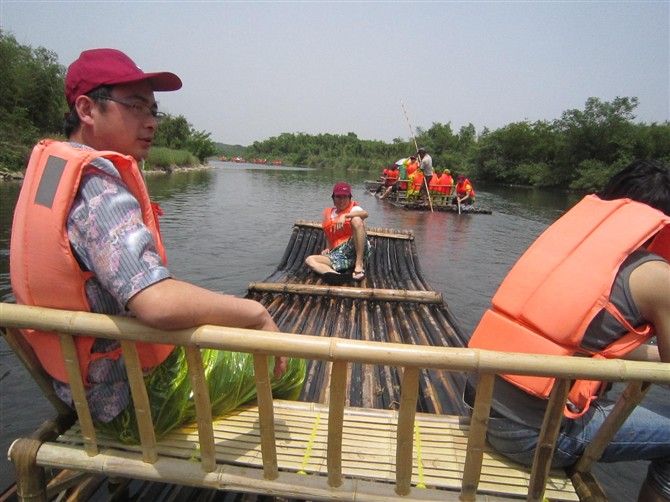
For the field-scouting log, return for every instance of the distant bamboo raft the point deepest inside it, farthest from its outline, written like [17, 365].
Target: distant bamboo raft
[393, 303]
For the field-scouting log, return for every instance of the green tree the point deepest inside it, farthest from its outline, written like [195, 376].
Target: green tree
[603, 131]
[173, 132]
[176, 133]
[31, 99]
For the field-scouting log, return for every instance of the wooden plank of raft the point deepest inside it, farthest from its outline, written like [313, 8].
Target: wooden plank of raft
[398, 295]
[371, 231]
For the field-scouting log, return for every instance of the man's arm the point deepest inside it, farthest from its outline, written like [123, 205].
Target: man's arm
[356, 213]
[650, 287]
[171, 304]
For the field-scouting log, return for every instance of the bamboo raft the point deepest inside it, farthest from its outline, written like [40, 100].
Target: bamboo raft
[440, 202]
[393, 303]
[356, 435]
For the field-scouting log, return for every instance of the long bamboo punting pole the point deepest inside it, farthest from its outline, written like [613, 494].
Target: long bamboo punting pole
[331, 349]
[398, 295]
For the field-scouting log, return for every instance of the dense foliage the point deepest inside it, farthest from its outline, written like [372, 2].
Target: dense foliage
[32, 106]
[328, 150]
[31, 99]
[176, 133]
[580, 150]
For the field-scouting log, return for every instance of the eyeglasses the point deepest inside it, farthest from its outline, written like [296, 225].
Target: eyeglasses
[139, 109]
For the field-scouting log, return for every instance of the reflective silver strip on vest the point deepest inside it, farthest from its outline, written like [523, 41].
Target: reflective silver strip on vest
[53, 172]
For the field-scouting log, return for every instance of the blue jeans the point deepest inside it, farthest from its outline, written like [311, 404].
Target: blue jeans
[645, 435]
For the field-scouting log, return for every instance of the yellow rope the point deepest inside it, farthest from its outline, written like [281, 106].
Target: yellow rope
[419, 461]
[310, 443]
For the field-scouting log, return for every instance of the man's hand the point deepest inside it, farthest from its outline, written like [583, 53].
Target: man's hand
[325, 251]
[340, 221]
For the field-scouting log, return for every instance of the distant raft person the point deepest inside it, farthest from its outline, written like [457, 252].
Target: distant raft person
[464, 193]
[441, 184]
[391, 175]
[412, 165]
[348, 247]
[426, 168]
[415, 184]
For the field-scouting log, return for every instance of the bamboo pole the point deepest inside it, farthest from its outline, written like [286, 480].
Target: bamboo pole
[266, 416]
[399, 295]
[551, 426]
[203, 408]
[629, 399]
[338, 393]
[30, 477]
[477, 437]
[405, 432]
[332, 349]
[78, 393]
[140, 401]
[372, 231]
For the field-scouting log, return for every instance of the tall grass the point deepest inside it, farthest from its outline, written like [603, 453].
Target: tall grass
[161, 157]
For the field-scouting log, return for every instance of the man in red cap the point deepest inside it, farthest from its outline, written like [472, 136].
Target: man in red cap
[84, 223]
[346, 238]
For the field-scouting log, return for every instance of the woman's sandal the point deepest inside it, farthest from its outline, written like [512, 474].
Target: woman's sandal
[358, 276]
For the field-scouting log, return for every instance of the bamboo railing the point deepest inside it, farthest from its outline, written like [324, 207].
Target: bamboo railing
[342, 353]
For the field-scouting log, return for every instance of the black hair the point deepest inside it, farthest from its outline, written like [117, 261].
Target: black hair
[646, 181]
[71, 122]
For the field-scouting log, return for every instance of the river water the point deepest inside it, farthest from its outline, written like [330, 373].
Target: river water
[227, 226]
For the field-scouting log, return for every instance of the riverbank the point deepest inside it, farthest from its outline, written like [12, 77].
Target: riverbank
[9, 176]
[176, 169]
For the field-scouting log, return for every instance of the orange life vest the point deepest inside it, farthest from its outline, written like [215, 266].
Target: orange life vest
[412, 166]
[463, 187]
[391, 176]
[551, 295]
[334, 235]
[43, 269]
[417, 180]
[441, 183]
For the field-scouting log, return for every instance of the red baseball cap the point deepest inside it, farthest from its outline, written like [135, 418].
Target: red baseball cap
[98, 67]
[342, 188]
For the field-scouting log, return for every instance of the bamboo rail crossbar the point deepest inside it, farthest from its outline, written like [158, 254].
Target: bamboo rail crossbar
[398, 295]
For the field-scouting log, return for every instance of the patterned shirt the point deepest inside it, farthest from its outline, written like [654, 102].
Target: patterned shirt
[109, 238]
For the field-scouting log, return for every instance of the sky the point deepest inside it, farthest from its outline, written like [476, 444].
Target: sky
[254, 70]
